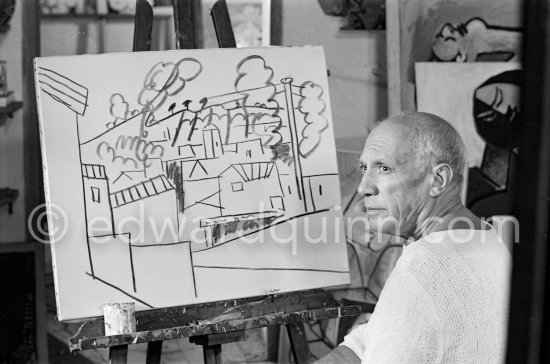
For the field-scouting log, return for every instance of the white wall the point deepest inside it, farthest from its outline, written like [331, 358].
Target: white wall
[357, 96]
[12, 227]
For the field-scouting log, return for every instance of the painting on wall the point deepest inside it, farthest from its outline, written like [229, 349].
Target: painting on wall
[484, 108]
[220, 175]
[449, 31]
[250, 20]
[359, 14]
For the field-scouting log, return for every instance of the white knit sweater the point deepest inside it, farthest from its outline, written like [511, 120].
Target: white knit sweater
[445, 302]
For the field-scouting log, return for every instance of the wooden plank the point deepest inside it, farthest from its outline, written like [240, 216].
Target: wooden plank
[187, 22]
[273, 335]
[529, 309]
[34, 184]
[222, 310]
[298, 343]
[284, 352]
[143, 26]
[118, 354]
[222, 25]
[393, 52]
[218, 339]
[212, 354]
[276, 23]
[40, 303]
[83, 342]
[154, 350]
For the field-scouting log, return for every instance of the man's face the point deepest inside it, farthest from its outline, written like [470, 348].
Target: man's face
[395, 188]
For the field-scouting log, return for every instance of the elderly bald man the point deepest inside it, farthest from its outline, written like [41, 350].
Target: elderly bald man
[446, 299]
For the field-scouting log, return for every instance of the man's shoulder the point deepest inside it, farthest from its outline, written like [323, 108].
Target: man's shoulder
[448, 253]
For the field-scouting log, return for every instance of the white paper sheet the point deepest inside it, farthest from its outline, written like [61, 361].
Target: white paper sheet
[189, 176]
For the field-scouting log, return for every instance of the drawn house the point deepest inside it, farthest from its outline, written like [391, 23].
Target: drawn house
[96, 195]
[247, 150]
[318, 190]
[154, 200]
[258, 179]
[240, 212]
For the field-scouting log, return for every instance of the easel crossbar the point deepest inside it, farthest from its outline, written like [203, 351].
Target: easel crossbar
[85, 343]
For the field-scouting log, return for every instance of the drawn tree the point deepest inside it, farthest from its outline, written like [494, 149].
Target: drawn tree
[119, 109]
[313, 107]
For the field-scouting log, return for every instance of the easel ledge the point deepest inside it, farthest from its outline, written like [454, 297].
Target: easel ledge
[225, 316]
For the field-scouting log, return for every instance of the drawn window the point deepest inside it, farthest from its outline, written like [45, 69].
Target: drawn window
[95, 194]
[277, 202]
[186, 151]
[237, 186]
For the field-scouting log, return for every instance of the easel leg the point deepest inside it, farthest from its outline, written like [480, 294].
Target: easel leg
[273, 333]
[298, 343]
[118, 354]
[154, 349]
[212, 354]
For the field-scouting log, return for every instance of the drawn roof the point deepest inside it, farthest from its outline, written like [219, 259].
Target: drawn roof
[63, 89]
[201, 168]
[141, 191]
[96, 171]
[252, 171]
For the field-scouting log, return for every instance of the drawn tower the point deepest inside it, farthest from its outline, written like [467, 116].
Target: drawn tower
[287, 84]
[212, 142]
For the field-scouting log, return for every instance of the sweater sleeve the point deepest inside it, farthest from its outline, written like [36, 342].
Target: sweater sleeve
[403, 328]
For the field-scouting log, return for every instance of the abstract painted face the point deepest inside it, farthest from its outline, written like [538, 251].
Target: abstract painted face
[496, 109]
[394, 186]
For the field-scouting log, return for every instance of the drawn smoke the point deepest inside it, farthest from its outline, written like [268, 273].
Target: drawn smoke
[259, 104]
[312, 105]
[165, 80]
[250, 71]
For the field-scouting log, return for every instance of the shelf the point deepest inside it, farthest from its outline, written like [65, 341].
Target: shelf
[158, 12]
[8, 197]
[11, 108]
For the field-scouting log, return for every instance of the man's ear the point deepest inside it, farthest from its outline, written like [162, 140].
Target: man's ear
[442, 175]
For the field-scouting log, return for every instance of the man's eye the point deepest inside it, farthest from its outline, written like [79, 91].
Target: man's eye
[363, 168]
[383, 168]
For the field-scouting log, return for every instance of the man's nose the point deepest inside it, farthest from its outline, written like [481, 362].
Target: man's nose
[367, 187]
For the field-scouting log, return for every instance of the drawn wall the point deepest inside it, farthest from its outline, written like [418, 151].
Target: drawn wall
[187, 179]
[484, 108]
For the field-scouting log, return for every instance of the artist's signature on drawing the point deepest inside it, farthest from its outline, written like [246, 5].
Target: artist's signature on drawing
[274, 290]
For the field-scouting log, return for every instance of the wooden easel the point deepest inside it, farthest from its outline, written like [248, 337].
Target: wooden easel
[217, 323]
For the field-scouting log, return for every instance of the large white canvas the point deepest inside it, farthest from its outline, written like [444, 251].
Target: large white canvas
[189, 176]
